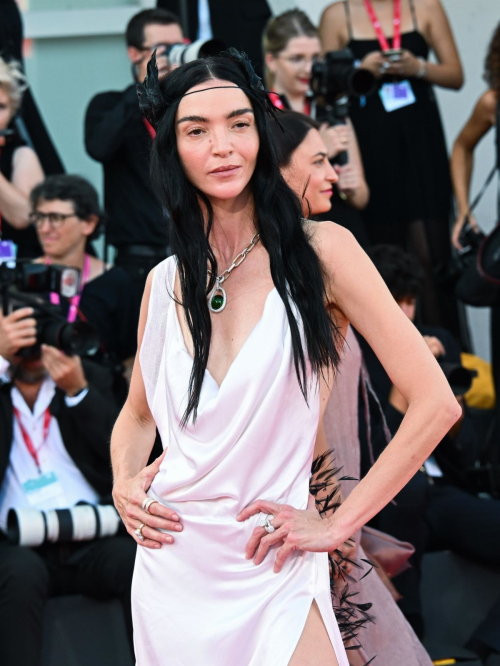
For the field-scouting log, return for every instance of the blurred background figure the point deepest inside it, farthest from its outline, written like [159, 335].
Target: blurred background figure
[291, 45]
[20, 169]
[239, 24]
[485, 115]
[29, 121]
[399, 128]
[119, 137]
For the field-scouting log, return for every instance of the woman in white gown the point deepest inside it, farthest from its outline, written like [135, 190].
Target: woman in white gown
[233, 369]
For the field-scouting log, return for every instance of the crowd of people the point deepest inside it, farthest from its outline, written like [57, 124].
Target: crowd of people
[381, 171]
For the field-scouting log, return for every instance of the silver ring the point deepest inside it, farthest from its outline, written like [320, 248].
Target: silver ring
[146, 504]
[266, 524]
[138, 532]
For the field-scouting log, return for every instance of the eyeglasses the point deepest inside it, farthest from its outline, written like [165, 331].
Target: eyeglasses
[56, 220]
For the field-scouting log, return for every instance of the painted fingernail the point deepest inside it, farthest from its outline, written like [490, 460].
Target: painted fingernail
[168, 539]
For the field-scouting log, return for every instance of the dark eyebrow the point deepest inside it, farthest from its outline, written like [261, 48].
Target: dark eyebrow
[239, 112]
[200, 119]
[196, 119]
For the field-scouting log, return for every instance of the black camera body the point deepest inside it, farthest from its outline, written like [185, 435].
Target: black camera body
[334, 79]
[20, 279]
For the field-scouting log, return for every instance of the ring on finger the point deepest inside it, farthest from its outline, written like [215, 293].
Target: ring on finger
[147, 503]
[266, 524]
[138, 532]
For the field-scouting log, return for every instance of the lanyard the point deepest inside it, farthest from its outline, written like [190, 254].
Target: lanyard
[75, 300]
[150, 128]
[277, 102]
[382, 40]
[27, 439]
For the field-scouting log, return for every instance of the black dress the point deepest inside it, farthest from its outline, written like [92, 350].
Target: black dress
[28, 245]
[407, 170]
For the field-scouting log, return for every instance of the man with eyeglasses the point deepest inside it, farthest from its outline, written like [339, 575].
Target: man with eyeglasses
[119, 137]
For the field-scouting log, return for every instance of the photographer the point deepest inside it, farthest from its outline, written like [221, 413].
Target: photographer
[20, 169]
[485, 115]
[117, 136]
[438, 508]
[399, 129]
[66, 214]
[291, 45]
[56, 415]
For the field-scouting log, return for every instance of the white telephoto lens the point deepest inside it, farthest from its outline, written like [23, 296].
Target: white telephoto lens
[84, 522]
[52, 526]
[110, 520]
[31, 527]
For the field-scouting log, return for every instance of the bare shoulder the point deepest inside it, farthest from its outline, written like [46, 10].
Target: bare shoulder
[332, 12]
[24, 155]
[333, 243]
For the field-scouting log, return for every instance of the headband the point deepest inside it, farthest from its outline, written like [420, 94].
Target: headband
[153, 103]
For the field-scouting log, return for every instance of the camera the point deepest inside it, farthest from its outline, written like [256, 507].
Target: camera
[179, 54]
[334, 79]
[83, 522]
[449, 274]
[19, 279]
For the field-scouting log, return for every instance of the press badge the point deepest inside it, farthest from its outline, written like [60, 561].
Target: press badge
[395, 96]
[44, 489]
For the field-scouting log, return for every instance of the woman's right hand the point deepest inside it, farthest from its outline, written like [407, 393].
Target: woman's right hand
[128, 497]
[458, 226]
[374, 62]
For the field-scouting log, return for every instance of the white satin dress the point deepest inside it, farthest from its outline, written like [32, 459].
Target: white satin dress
[199, 602]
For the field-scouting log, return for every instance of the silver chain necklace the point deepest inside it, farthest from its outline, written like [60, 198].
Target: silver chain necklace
[218, 299]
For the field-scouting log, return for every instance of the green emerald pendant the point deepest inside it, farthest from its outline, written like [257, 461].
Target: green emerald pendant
[217, 299]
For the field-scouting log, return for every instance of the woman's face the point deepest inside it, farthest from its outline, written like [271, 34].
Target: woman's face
[5, 108]
[310, 169]
[217, 139]
[292, 67]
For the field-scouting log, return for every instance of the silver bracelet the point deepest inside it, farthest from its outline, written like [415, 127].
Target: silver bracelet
[423, 69]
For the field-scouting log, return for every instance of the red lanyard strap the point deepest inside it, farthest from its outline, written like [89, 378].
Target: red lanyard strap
[27, 439]
[382, 40]
[150, 128]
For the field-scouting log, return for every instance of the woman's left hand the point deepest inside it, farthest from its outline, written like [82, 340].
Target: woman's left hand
[407, 65]
[295, 529]
[349, 178]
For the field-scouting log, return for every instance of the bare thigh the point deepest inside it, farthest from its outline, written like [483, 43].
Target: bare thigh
[314, 647]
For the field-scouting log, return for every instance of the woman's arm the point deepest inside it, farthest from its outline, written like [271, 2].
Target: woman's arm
[131, 443]
[333, 31]
[462, 156]
[352, 180]
[14, 196]
[361, 297]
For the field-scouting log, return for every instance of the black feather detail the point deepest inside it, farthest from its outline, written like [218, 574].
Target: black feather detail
[351, 616]
[151, 101]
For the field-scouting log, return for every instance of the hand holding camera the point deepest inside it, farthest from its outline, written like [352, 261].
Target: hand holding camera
[401, 63]
[460, 222]
[17, 330]
[66, 371]
[335, 137]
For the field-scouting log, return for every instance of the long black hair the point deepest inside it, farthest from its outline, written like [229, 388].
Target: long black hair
[295, 267]
[287, 138]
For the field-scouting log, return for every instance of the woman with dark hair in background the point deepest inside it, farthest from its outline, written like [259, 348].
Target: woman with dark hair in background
[240, 334]
[399, 129]
[301, 158]
[291, 44]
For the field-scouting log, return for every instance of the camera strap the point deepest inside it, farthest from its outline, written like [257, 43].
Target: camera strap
[27, 439]
[382, 39]
[75, 300]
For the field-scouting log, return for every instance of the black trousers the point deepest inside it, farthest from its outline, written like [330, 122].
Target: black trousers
[99, 569]
[444, 517]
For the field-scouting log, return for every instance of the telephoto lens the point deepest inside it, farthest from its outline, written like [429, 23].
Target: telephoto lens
[179, 54]
[83, 522]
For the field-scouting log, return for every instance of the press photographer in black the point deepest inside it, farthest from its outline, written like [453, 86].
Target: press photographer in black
[56, 415]
[117, 135]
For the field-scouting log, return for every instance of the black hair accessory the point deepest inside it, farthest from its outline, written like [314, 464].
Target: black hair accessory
[153, 104]
[151, 101]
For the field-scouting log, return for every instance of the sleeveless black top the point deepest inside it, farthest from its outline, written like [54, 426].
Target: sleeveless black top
[404, 152]
[28, 246]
